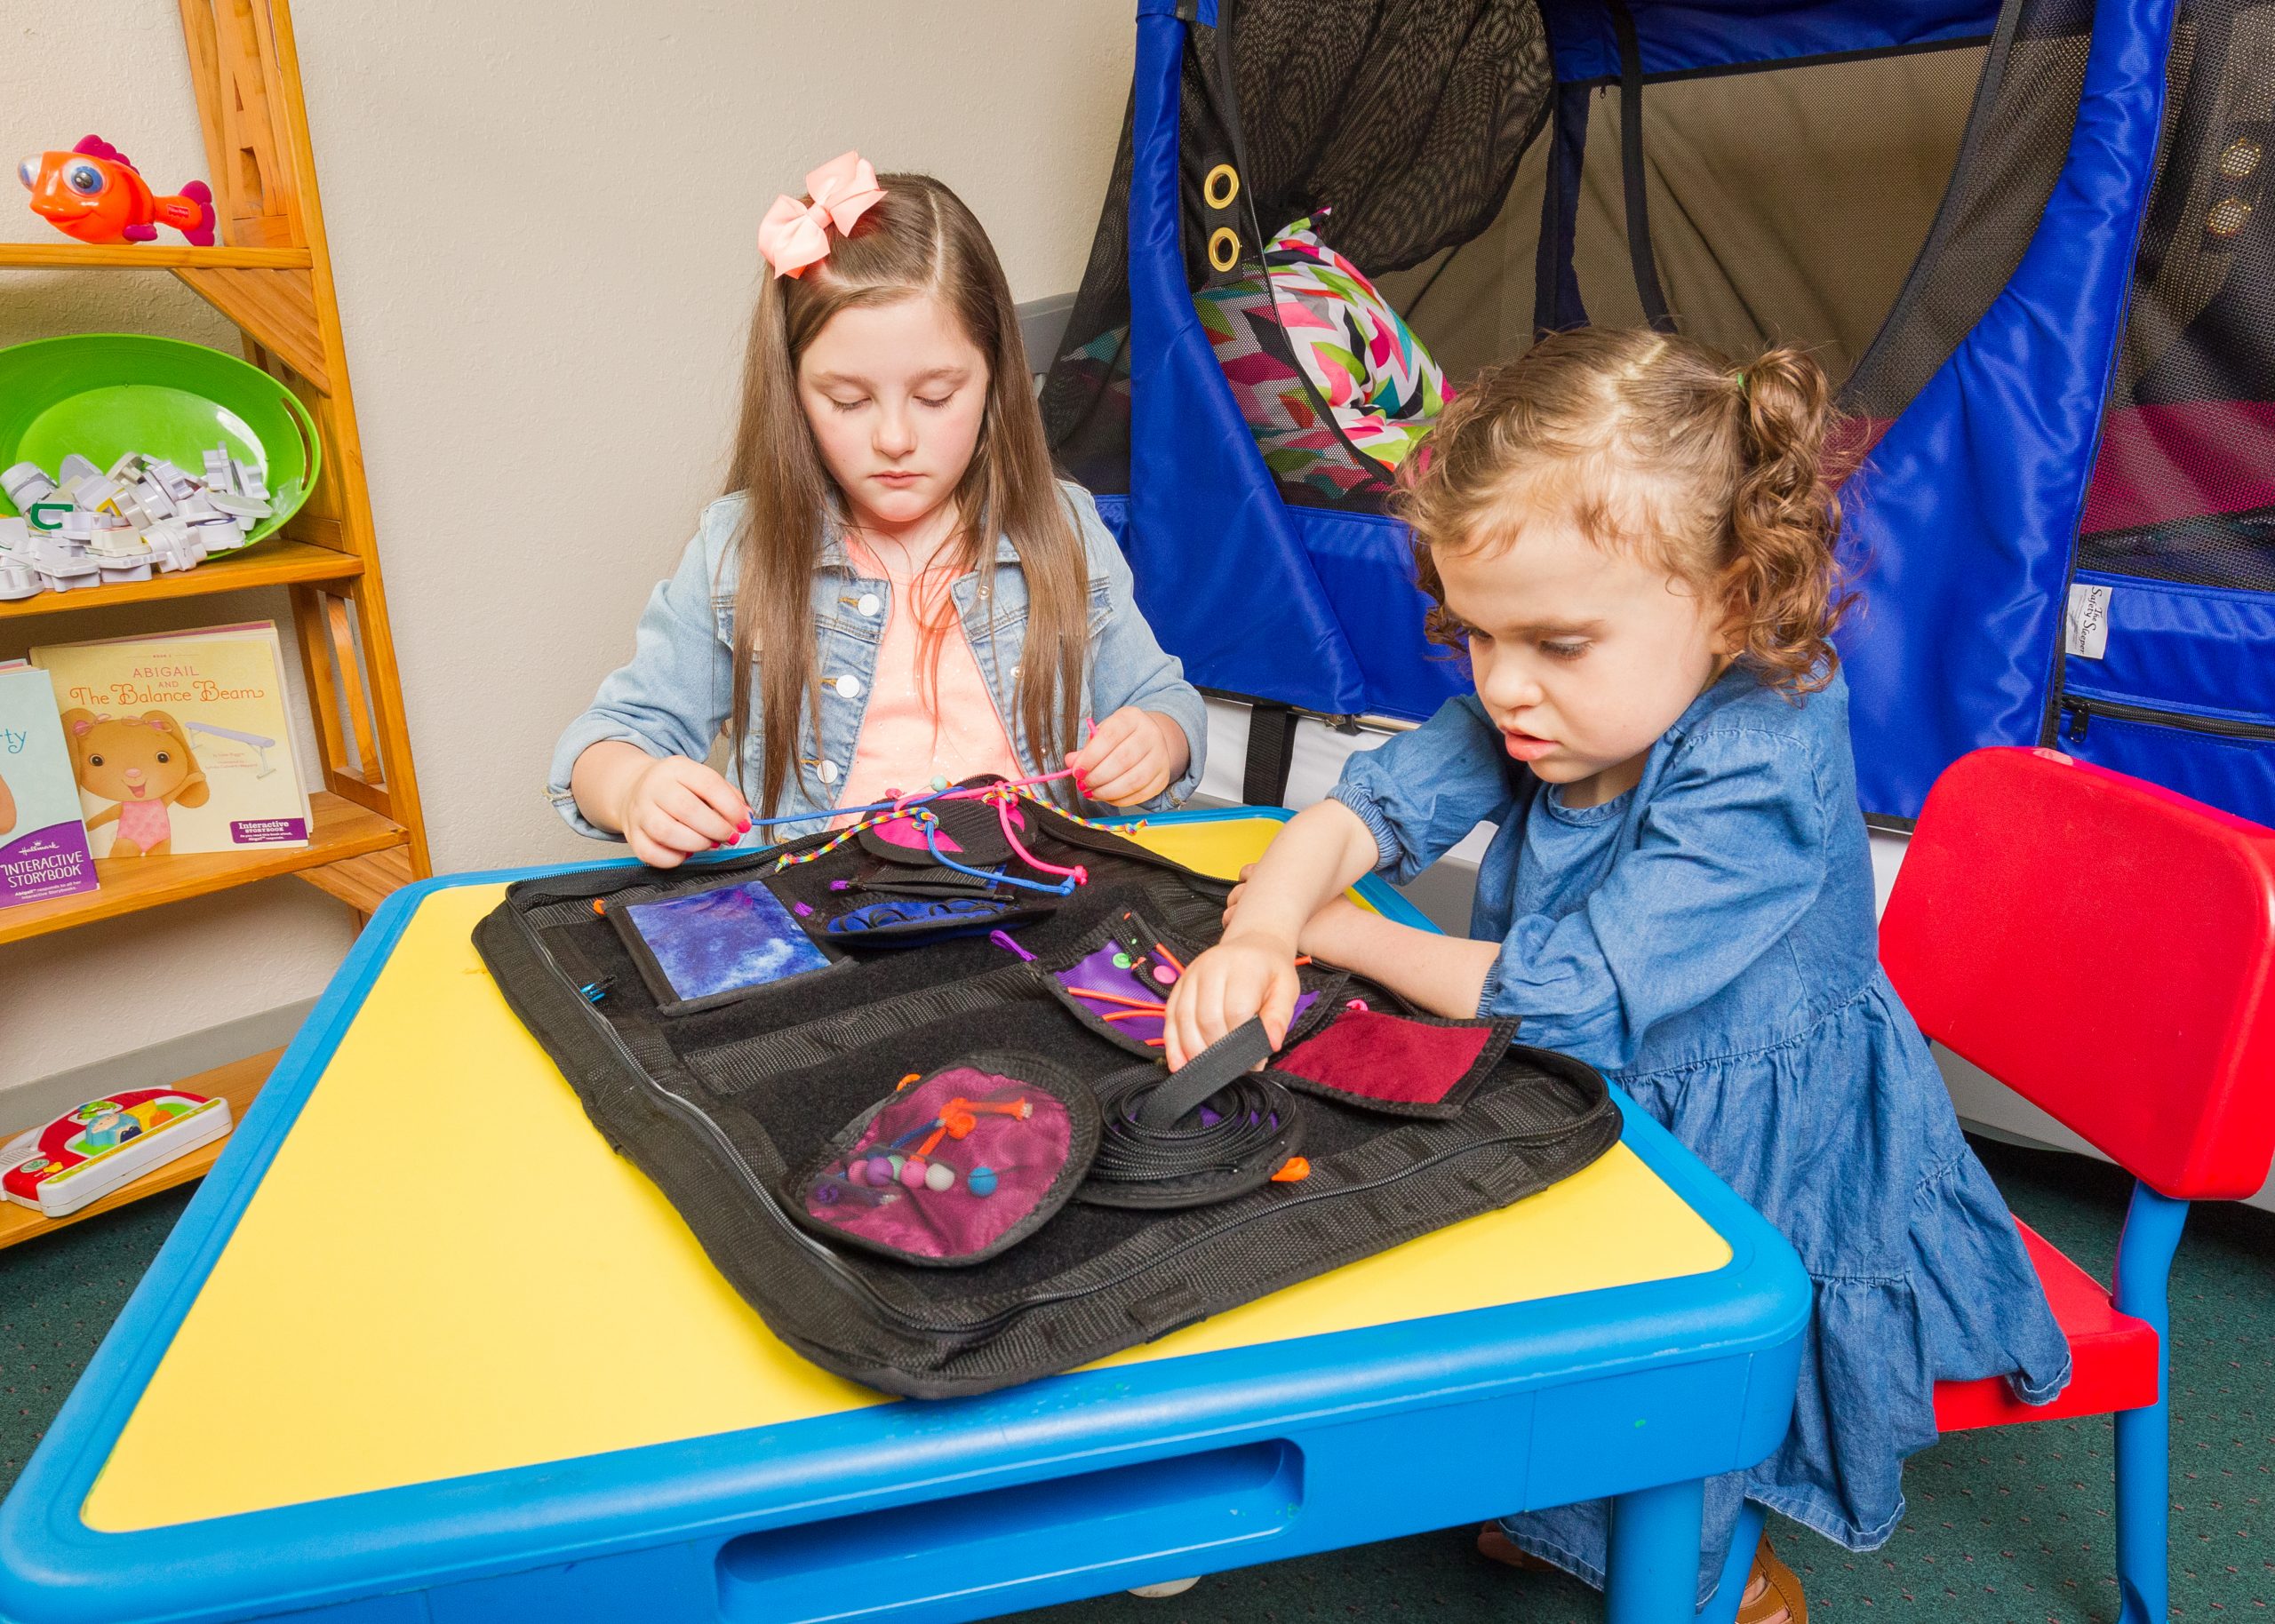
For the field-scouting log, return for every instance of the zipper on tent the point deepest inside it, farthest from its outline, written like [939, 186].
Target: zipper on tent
[2078, 712]
[1631, 171]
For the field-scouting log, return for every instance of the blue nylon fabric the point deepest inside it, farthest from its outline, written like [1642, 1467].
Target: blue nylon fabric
[1725, 33]
[1366, 563]
[1221, 574]
[2237, 776]
[1963, 518]
[2182, 646]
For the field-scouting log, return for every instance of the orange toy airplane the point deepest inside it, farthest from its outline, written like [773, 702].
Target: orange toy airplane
[95, 193]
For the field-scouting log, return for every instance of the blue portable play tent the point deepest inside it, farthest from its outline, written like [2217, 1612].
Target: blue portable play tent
[2025, 237]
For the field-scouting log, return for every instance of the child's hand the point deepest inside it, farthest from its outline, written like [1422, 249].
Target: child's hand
[1133, 755]
[676, 807]
[1241, 976]
[1232, 901]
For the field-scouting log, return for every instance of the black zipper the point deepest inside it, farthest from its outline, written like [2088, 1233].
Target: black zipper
[846, 1279]
[2076, 713]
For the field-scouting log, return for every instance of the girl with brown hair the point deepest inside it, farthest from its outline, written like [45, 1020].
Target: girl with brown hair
[1631, 540]
[895, 592]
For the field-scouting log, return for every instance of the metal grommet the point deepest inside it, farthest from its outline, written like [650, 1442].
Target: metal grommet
[1223, 249]
[2227, 217]
[2239, 158]
[1232, 180]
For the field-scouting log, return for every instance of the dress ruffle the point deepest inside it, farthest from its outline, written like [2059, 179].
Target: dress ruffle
[1844, 1139]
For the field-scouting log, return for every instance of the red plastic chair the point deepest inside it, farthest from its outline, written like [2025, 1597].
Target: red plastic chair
[2106, 949]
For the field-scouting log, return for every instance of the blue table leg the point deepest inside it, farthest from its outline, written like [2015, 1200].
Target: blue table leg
[1652, 1575]
[1737, 1567]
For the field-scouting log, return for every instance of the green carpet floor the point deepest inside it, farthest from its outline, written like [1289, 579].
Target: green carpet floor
[2011, 1526]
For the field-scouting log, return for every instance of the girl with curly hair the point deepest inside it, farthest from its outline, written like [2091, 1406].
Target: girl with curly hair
[1633, 540]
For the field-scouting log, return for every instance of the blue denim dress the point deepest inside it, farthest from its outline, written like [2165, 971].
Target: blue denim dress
[1707, 940]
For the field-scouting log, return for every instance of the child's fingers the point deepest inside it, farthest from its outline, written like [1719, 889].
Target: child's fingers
[1184, 1025]
[1278, 1009]
[1133, 770]
[651, 852]
[721, 796]
[680, 802]
[661, 829]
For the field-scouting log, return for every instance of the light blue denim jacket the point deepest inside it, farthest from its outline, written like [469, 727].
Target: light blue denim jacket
[672, 697]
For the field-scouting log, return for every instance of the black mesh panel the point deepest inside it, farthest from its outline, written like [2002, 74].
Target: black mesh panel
[2016, 139]
[2184, 489]
[1404, 119]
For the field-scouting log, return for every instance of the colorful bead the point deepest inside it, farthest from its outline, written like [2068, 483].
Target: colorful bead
[939, 1176]
[1121, 962]
[938, 783]
[1164, 974]
[981, 1181]
[911, 1171]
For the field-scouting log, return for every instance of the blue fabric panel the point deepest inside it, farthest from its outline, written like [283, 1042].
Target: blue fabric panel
[2237, 776]
[1221, 574]
[1115, 512]
[1725, 33]
[1556, 284]
[2193, 652]
[1964, 516]
[1366, 562]
[2198, 646]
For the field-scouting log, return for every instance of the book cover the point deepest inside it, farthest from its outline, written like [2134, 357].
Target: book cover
[181, 742]
[43, 849]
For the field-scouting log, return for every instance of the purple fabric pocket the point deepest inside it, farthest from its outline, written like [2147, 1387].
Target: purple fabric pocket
[956, 1166]
[1119, 985]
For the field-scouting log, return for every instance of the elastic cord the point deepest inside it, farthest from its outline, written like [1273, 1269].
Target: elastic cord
[932, 826]
[1078, 874]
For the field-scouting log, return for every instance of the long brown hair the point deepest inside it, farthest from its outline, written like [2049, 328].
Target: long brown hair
[919, 239]
[1652, 440]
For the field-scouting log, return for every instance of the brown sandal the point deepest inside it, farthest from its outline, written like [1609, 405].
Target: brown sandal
[1495, 1546]
[1779, 1601]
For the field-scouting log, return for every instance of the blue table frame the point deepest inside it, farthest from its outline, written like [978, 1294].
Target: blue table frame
[1072, 1486]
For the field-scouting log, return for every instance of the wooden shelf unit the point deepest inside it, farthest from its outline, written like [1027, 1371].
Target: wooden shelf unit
[272, 277]
[238, 1082]
[151, 256]
[275, 562]
[342, 829]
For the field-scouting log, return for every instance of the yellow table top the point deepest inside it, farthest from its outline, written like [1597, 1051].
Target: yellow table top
[445, 1270]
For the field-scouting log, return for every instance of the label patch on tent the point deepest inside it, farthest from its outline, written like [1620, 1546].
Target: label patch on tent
[2084, 628]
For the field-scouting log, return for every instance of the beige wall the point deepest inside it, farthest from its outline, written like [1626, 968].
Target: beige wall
[541, 216]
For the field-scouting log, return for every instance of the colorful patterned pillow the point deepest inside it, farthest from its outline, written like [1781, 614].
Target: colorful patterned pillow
[1364, 364]
[1363, 358]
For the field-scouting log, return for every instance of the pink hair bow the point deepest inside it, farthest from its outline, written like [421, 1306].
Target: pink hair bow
[796, 234]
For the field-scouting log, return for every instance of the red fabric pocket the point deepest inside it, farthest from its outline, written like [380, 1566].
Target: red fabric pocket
[1418, 1067]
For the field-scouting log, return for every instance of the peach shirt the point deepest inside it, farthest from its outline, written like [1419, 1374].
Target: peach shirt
[902, 745]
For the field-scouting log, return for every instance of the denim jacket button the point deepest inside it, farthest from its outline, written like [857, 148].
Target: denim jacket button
[848, 687]
[870, 604]
[828, 772]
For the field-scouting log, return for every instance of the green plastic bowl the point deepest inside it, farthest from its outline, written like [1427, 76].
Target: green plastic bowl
[103, 395]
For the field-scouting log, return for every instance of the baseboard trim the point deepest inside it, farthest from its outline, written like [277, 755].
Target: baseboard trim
[28, 1105]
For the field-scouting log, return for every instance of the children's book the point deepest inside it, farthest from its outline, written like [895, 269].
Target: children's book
[44, 848]
[181, 742]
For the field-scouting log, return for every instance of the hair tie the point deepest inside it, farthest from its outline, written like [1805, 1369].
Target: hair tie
[1741, 384]
[795, 235]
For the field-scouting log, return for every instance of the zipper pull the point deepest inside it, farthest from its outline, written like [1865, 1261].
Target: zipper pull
[2077, 714]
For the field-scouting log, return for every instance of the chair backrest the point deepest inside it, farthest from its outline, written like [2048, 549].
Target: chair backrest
[2106, 949]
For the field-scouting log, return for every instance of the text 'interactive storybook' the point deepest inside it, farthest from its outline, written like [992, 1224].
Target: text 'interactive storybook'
[42, 844]
[181, 741]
